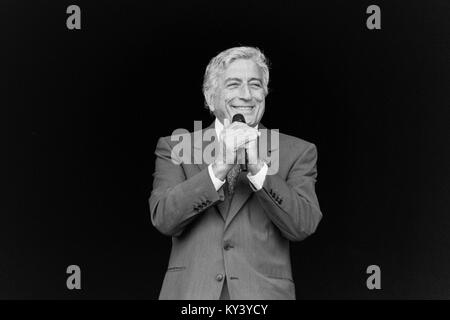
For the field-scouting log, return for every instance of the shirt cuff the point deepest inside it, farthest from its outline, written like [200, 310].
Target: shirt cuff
[216, 181]
[257, 181]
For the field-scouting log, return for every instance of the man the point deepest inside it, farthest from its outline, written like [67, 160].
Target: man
[231, 229]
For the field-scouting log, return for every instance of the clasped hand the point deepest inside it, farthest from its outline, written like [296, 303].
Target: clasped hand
[235, 137]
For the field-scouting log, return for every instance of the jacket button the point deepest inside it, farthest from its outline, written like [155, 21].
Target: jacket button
[219, 277]
[227, 245]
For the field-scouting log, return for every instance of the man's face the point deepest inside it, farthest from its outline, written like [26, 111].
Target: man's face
[240, 90]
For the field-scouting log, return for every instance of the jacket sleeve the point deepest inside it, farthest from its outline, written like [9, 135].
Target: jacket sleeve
[176, 201]
[292, 204]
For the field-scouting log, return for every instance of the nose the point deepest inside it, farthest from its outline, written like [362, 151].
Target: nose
[245, 93]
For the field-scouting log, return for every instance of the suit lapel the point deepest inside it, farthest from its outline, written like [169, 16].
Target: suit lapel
[224, 206]
[242, 192]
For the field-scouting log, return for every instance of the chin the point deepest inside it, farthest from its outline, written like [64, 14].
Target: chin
[250, 121]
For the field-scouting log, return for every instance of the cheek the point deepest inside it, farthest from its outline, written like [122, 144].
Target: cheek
[221, 102]
[259, 96]
[261, 109]
[228, 96]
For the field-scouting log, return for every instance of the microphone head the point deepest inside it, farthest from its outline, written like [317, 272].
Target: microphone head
[238, 117]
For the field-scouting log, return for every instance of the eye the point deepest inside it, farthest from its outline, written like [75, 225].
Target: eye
[256, 85]
[232, 85]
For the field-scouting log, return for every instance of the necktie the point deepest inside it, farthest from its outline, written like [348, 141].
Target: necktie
[232, 176]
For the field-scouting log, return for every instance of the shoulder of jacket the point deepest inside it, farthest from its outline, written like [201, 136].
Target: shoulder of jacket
[178, 136]
[294, 142]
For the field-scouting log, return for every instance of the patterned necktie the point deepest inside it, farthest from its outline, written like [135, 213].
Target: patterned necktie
[232, 176]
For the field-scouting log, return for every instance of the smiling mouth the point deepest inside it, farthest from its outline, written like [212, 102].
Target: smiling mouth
[243, 108]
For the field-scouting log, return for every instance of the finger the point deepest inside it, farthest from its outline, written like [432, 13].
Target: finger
[248, 145]
[244, 141]
[241, 129]
[237, 125]
[241, 135]
[236, 142]
[253, 131]
[252, 137]
[250, 134]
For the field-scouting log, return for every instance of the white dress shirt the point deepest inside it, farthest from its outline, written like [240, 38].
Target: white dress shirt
[257, 180]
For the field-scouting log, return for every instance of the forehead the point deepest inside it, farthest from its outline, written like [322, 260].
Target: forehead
[243, 69]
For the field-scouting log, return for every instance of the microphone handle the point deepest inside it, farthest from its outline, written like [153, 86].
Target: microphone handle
[240, 118]
[245, 166]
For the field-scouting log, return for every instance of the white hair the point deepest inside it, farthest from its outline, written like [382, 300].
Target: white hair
[219, 63]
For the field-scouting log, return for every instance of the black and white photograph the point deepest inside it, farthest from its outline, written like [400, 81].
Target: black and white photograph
[225, 150]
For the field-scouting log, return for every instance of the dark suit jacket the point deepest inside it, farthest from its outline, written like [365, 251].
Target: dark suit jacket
[246, 239]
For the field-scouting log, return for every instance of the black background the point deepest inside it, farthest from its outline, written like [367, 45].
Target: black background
[82, 111]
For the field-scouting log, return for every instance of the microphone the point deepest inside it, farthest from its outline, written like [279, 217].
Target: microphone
[238, 117]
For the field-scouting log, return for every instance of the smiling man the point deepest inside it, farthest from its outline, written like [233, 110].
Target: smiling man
[231, 229]
[242, 91]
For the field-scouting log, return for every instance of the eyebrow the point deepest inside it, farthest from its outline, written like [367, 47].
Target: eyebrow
[232, 79]
[239, 80]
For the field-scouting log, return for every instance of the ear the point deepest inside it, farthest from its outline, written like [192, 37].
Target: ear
[209, 101]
